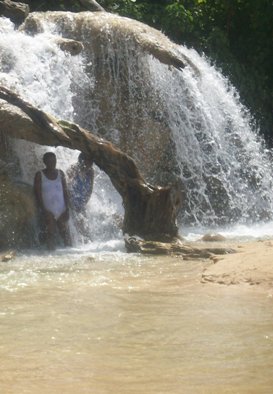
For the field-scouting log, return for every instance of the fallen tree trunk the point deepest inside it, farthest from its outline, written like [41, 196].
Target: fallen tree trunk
[150, 211]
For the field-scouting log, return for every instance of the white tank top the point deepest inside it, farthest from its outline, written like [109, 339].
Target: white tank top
[53, 195]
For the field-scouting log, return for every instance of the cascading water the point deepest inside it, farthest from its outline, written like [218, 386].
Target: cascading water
[209, 145]
[225, 169]
[49, 78]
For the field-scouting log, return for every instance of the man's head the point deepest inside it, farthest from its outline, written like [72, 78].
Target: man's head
[85, 160]
[50, 160]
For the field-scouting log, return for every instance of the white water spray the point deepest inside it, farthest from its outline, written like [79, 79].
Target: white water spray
[224, 166]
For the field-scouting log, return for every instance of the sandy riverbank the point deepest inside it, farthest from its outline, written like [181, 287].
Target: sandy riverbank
[252, 264]
[225, 262]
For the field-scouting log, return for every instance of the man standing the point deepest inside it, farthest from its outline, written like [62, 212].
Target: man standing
[81, 179]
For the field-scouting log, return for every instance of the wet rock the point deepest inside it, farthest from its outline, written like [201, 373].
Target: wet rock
[15, 11]
[213, 238]
[72, 46]
[32, 25]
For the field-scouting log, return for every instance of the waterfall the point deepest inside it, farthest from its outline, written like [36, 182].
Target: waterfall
[224, 166]
[49, 78]
[185, 126]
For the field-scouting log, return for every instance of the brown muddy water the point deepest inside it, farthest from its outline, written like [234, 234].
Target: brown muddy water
[118, 323]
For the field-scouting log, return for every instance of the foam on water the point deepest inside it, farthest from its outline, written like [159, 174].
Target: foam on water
[237, 232]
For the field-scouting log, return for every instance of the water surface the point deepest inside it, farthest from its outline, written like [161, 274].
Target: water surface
[116, 323]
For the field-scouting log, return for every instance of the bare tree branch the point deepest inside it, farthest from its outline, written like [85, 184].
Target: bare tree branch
[91, 5]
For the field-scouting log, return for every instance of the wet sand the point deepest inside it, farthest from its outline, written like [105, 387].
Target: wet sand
[252, 264]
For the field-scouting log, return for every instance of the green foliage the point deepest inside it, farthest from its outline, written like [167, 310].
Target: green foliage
[54, 5]
[238, 35]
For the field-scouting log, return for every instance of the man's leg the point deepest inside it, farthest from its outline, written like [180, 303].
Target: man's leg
[50, 230]
[62, 223]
